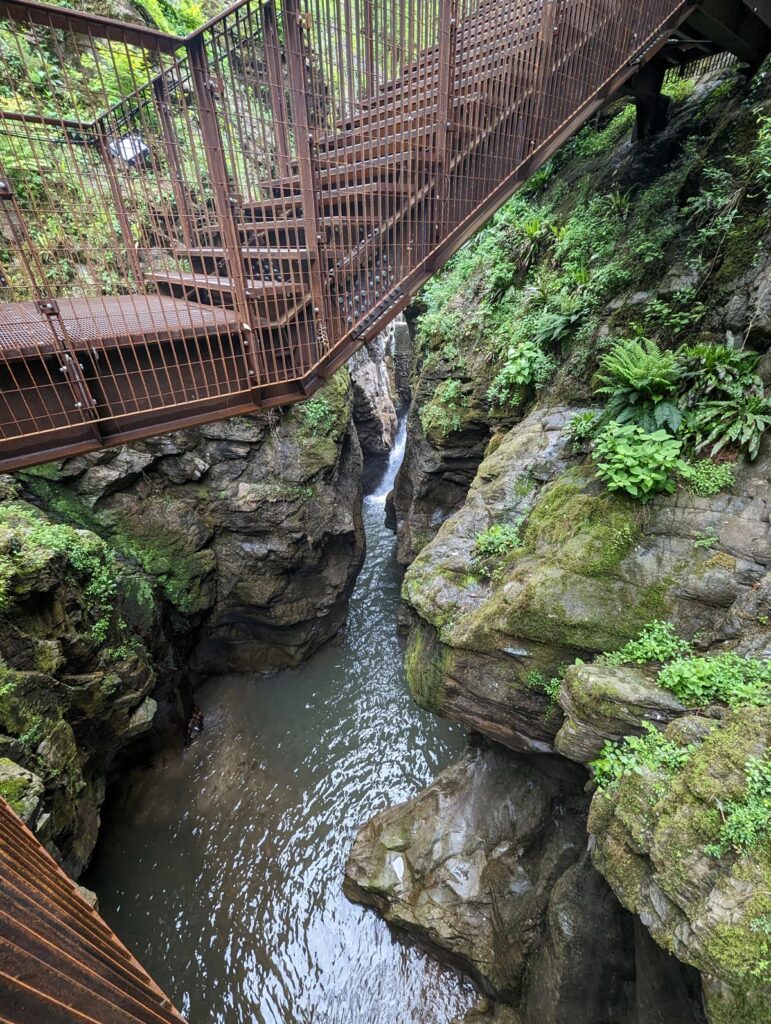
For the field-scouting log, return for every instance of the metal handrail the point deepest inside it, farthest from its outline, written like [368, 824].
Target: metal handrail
[217, 221]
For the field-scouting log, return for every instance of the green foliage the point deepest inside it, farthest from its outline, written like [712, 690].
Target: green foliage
[757, 163]
[317, 415]
[657, 641]
[675, 317]
[706, 542]
[715, 371]
[640, 381]
[740, 420]
[705, 477]
[493, 545]
[639, 463]
[635, 755]
[582, 428]
[725, 678]
[177, 17]
[442, 414]
[526, 365]
[26, 543]
[592, 143]
[747, 822]
[549, 687]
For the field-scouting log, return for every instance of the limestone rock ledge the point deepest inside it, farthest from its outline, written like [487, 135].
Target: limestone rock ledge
[251, 527]
[590, 570]
[653, 837]
[488, 866]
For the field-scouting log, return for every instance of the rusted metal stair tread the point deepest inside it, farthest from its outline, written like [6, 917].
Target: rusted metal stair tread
[261, 290]
[112, 320]
[288, 254]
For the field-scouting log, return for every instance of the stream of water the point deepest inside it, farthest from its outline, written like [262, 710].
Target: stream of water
[222, 865]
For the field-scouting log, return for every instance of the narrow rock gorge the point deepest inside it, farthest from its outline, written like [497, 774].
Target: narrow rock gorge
[603, 852]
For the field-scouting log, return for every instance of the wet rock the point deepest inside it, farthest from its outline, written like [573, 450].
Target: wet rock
[591, 569]
[469, 865]
[251, 527]
[22, 789]
[602, 702]
[655, 835]
[373, 405]
[80, 633]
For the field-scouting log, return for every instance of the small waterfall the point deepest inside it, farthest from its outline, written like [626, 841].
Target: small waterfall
[381, 491]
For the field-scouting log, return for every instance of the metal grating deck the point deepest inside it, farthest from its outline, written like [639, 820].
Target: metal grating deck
[109, 321]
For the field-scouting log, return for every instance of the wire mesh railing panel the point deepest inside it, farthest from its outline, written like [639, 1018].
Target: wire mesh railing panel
[189, 224]
[106, 189]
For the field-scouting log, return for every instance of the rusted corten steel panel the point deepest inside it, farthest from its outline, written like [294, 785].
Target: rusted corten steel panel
[59, 962]
[217, 222]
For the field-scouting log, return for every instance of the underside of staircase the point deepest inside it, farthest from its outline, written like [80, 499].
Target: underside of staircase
[213, 225]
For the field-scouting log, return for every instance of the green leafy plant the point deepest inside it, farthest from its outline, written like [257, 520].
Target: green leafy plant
[740, 420]
[639, 463]
[526, 365]
[640, 381]
[582, 428]
[317, 414]
[711, 370]
[442, 415]
[493, 545]
[747, 821]
[549, 687]
[722, 678]
[657, 641]
[634, 755]
[706, 542]
[705, 477]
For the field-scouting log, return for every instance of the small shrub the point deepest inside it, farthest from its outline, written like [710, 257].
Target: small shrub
[549, 687]
[757, 163]
[640, 381]
[317, 415]
[705, 477]
[706, 542]
[582, 428]
[631, 460]
[715, 371]
[747, 822]
[442, 415]
[722, 678]
[493, 545]
[657, 641]
[740, 420]
[526, 365]
[637, 754]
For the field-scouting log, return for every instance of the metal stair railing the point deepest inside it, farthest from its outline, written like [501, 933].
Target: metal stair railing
[193, 227]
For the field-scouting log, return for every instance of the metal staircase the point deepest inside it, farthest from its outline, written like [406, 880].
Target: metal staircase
[193, 228]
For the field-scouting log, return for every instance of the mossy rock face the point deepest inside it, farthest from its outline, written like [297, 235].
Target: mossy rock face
[602, 702]
[249, 529]
[590, 571]
[75, 663]
[653, 835]
[21, 789]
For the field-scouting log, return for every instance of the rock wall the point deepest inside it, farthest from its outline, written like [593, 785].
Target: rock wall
[505, 638]
[252, 526]
[231, 547]
[86, 655]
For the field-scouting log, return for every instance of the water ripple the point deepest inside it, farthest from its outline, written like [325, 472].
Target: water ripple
[224, 870]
